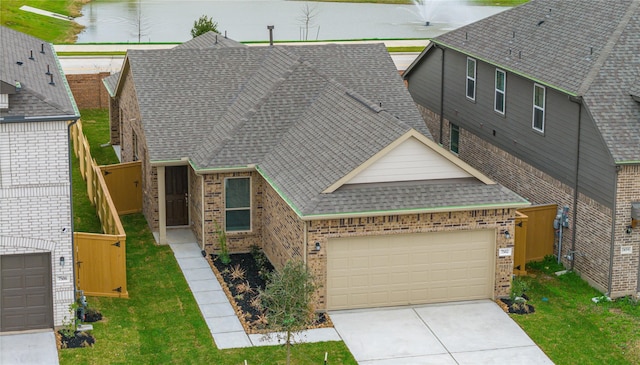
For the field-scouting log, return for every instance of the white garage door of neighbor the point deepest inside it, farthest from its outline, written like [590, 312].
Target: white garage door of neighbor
[404, 269]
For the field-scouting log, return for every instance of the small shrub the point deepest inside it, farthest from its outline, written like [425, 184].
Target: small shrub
[222, 240]
[244, 288]
[256, 303]
[237, 272]
[518, 288]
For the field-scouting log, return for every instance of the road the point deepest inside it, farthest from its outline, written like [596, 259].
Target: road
[95, 64]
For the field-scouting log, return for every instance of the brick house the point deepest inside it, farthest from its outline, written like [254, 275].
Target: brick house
[544, 98]
[313, 153]
[36, 258]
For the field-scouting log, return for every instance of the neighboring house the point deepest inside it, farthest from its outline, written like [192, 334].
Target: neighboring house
[544, 98]
[315, 153]
[36, 229]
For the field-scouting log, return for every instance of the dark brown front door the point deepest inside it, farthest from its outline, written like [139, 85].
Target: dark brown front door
[177, 195]
[25, 292]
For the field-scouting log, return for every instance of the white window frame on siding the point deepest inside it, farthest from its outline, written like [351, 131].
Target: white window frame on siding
[471, 79]
[4, 101]
[500, 93]
[228, 209]
[451, 144]
[539, 109]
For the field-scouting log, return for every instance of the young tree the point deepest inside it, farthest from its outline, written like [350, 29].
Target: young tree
[203, 25]
[289, 300]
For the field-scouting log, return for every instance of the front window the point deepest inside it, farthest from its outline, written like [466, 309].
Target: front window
[538, 107]
[237, 197]
[454, 138]
[501, 87]
[471, 78]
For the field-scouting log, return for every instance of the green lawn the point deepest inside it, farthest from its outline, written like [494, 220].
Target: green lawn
[571, 329]
[44, 27]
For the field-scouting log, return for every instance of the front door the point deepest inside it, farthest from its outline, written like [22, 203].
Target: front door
[177, 195]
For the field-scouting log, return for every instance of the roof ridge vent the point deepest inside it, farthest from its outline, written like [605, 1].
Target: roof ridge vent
[376, 107]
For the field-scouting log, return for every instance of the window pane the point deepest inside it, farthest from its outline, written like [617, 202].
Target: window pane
[500, 102]
[538, 119]
[538, 98]
[237, 193]
[471, 92]
[471, 68]
[238, 220]
[500, 80]
[454, 138]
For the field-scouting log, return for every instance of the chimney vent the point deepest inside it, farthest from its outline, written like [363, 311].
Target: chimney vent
[270, 27]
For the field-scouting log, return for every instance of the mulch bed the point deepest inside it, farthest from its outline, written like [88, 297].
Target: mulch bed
[80, 339]
[241, 280]
[516, 307]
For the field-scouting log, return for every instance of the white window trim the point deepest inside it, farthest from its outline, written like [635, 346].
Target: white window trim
[474, 78]
[503, 92]
[232, 209]
[4, 101]
[535, 107]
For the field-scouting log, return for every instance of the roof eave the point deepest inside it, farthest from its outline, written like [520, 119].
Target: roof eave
[441, 209]
[503, 67]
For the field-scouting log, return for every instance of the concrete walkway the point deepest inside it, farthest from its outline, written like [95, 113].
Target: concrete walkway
[476, 332]
[26, 348]
[223, 323]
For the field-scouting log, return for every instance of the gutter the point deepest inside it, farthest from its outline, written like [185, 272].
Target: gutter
[53, 118]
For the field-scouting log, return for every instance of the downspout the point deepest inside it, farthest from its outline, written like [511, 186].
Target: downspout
[577, 100]
[441, 94]
[73, 228]
[202, 203]
[306, 241]
[612, 250]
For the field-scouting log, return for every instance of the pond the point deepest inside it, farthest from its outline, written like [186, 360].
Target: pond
[246, 20]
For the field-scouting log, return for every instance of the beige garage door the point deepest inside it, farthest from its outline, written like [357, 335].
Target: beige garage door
[25, 292]
[408, 269]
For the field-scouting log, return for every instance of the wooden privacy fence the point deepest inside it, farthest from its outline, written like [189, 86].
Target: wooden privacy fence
[124, 184]
[101, 265]
[535, 236]
[88, 246]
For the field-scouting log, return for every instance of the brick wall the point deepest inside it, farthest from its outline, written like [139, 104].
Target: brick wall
[214, 213]
[195, 204]
[626, 266]
[88, 90]
[35, 199]
[282, 232]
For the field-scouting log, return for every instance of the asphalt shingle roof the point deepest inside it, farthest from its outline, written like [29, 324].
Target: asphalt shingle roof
[585, 48]
[294, 112]
[24, 60]
[209, 40]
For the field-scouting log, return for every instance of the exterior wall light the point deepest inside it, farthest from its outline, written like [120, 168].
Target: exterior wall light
[507, 235]
[61, 261]
[317, 246]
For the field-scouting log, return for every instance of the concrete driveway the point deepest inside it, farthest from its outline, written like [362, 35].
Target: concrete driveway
[476, 332]
[23, 348]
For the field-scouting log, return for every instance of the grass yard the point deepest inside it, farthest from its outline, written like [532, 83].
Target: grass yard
[572, 329]
[44, 27]
[161, 322]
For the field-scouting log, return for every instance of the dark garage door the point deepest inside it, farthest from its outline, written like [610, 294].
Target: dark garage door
[25, 292]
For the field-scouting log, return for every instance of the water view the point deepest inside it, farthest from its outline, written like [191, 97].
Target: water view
[246, 20]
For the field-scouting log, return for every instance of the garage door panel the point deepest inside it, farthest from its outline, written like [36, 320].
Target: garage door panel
[411, 269]
[25, 292]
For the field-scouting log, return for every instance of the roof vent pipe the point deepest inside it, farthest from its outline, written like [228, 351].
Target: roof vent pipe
[225, 34]
[42, 48]
[31, 55]
[270, 27]
[216, 39]
[48, 71]
[51, 82]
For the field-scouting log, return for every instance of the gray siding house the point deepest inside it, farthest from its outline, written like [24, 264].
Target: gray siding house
[543, 98]
[36, 228]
